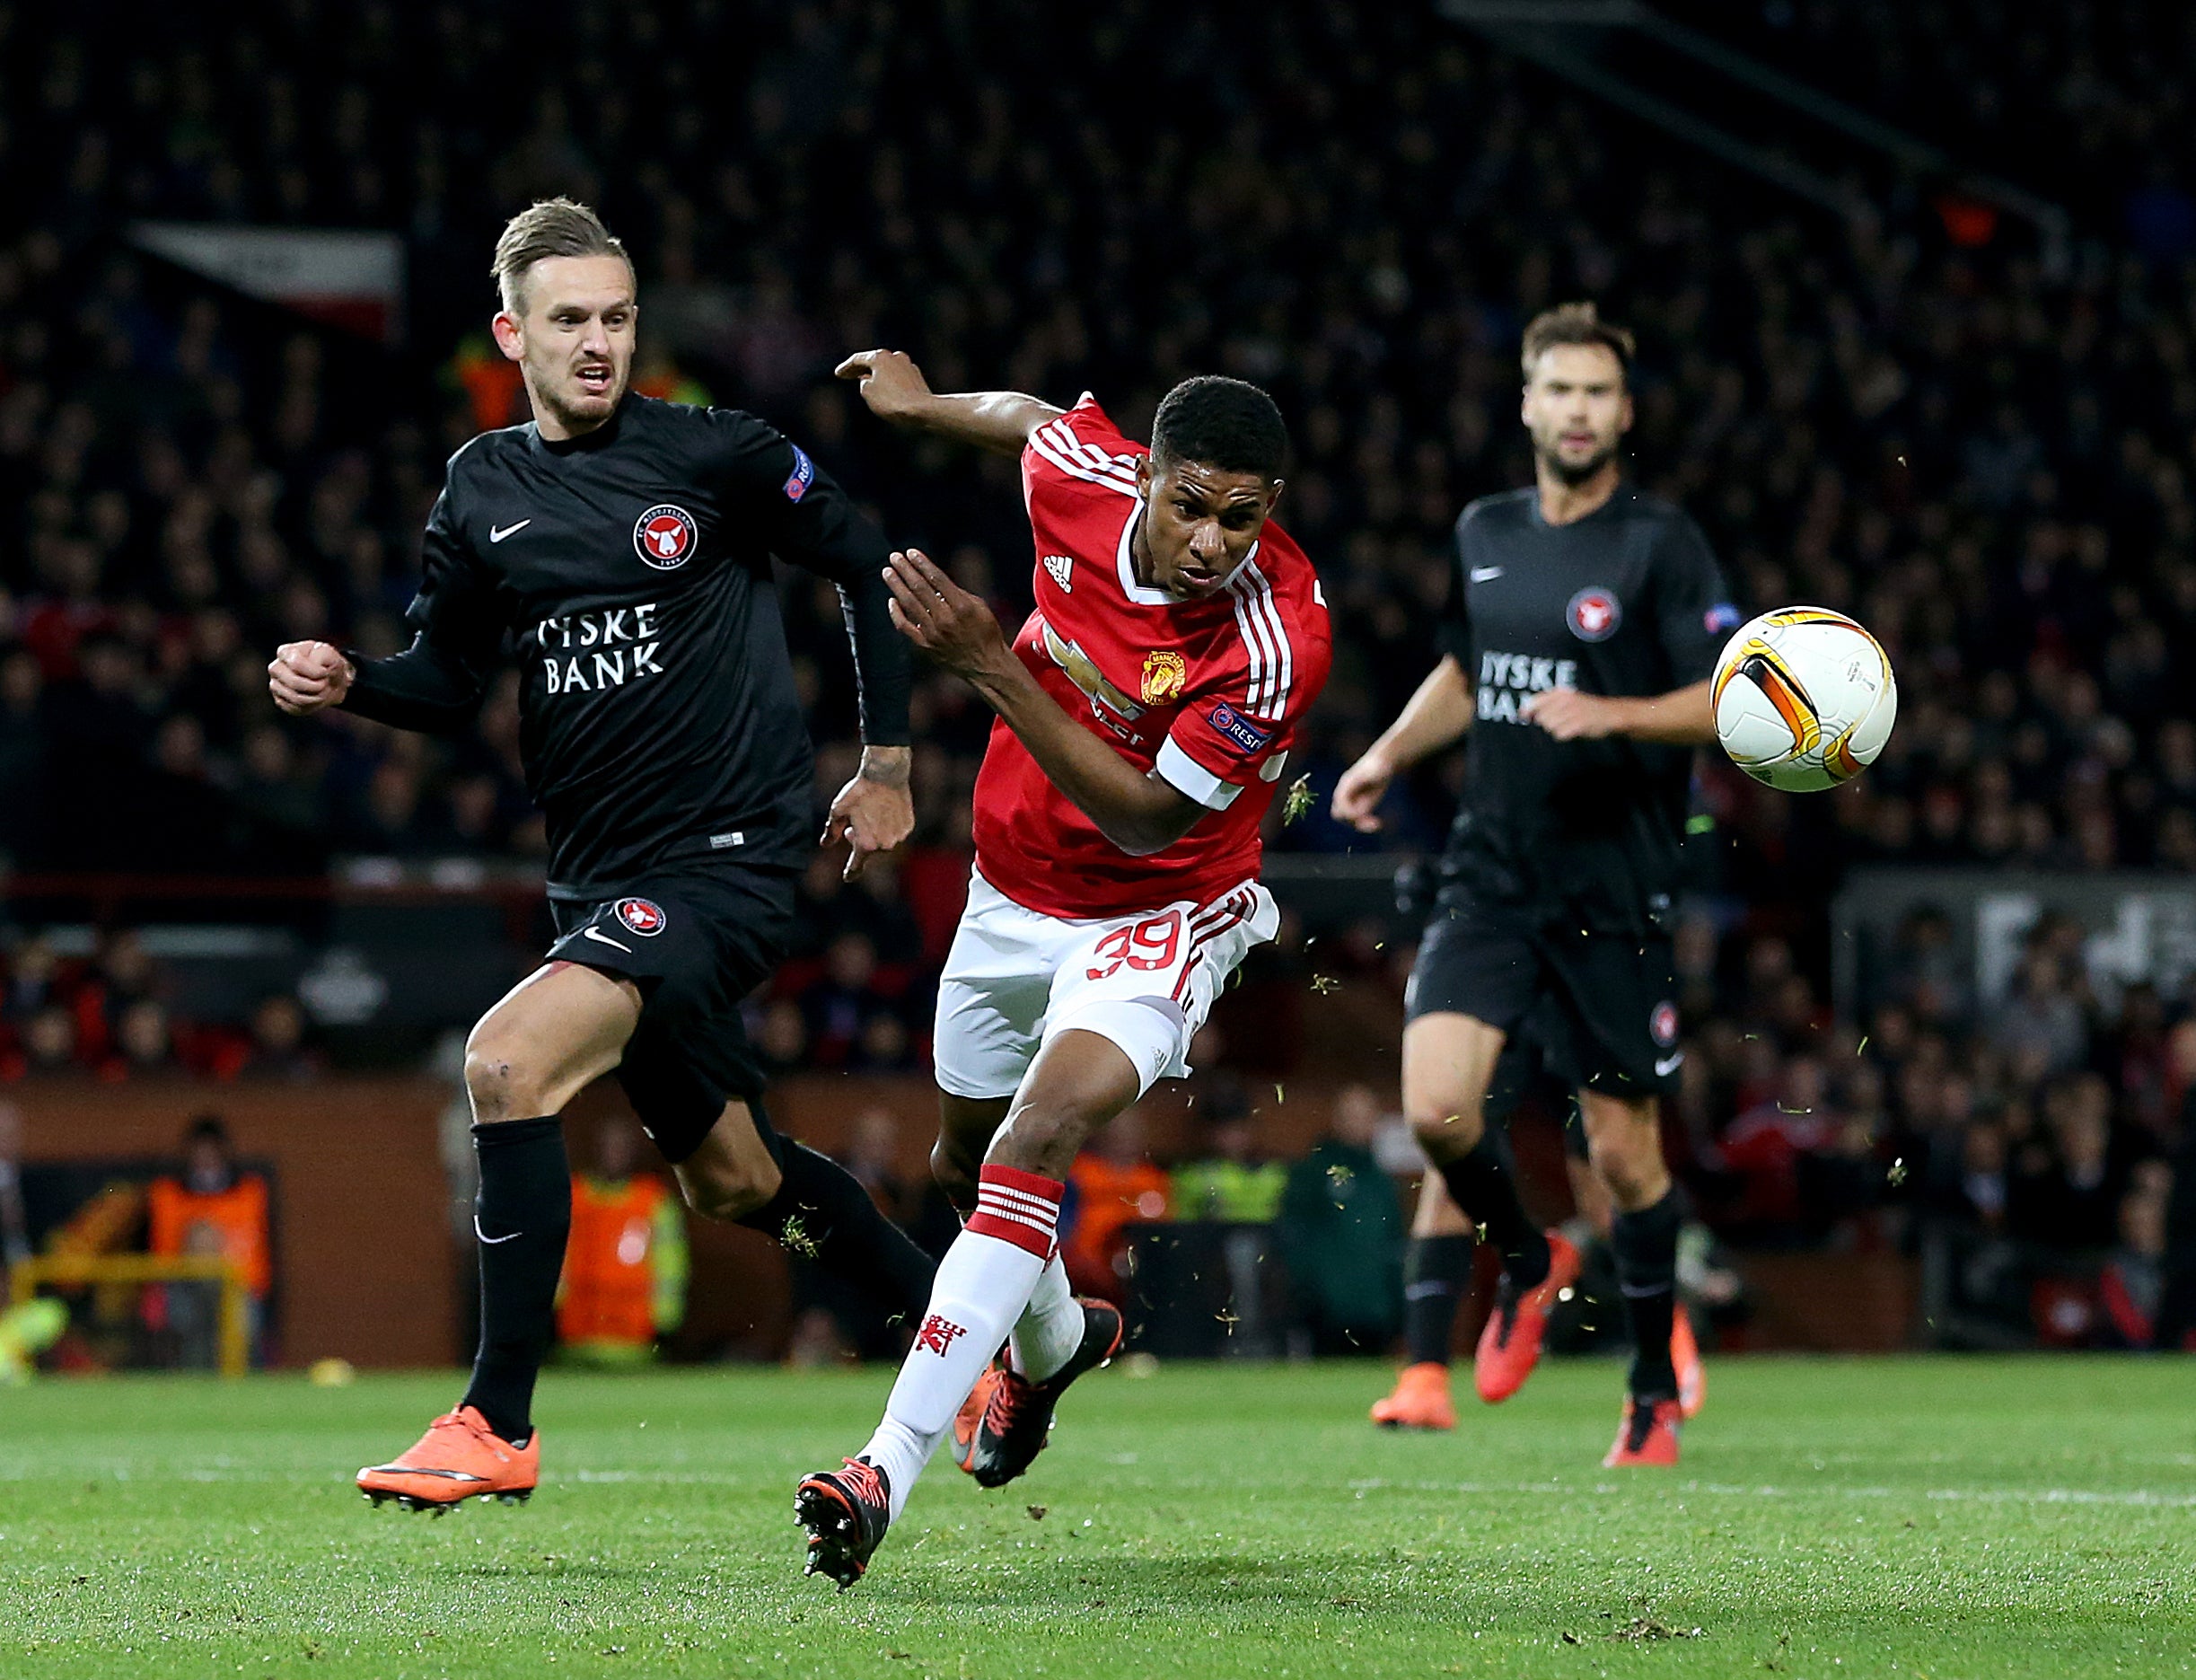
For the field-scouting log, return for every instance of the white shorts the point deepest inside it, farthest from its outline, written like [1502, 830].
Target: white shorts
[1145, 982]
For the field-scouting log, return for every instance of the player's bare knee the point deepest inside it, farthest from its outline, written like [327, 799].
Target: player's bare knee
[1629, 1165]
[955, 1173]
[499, 1080]
[1044, 1136]
[1445, 1130]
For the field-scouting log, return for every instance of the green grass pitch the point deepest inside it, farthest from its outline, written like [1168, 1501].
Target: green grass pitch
[1940, 1518]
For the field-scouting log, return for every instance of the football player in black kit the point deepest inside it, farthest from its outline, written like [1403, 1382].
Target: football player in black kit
[618, 549]
[1582, 626]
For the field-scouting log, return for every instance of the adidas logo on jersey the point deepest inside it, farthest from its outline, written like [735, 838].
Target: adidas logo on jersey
[1063, 572]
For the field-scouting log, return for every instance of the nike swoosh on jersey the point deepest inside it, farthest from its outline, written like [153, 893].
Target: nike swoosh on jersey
[600, 937]
[496, 533]
[1485, 573]
[485, 1237]
[1669, 1065]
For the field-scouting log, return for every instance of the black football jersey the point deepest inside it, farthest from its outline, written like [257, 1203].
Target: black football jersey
[1628, 600]
[627, 573]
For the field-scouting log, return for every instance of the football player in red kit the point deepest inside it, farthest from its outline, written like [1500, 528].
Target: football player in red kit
[1146, 711]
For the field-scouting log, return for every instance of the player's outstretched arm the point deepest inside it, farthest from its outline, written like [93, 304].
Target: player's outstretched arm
[1138, 812]
[895, 389]
[1433, 718]
[1683, 717]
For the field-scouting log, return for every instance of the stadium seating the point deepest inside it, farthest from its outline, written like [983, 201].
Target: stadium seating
[1985, 460]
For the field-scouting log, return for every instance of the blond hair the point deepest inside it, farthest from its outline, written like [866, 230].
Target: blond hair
[549, 227]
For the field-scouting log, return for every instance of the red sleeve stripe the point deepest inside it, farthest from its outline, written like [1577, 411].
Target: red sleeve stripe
[1265, 637]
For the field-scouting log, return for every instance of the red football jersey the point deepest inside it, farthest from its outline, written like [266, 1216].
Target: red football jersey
[1209, 692]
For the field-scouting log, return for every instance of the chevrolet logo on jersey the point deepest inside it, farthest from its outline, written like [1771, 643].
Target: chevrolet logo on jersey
[1506, 679]
[1164, 673]
[1083, 672]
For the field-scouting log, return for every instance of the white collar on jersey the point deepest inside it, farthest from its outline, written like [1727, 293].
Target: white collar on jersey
[1143, 595]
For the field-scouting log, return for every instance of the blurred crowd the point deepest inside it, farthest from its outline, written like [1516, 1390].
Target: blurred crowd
[1983, 454]
[2082, 101]
[2040, 1154]
[1229, 1248]
[111, 1013]
[1986, 460]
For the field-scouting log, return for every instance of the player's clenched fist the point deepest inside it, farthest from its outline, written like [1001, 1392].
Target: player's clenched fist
[944, 620]
[1357, 795]
[305, 677]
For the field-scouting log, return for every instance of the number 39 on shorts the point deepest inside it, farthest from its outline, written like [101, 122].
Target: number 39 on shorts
[1145, 945]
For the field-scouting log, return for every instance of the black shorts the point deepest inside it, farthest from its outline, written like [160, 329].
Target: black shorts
[1522, 1072]
[696, 945]
[1602, 1004]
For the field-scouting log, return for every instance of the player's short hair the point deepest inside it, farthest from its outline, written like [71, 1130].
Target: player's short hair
[1221, 422]
[1577, 323]
[549, 227]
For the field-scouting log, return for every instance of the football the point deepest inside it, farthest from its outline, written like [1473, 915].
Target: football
[1804, 698]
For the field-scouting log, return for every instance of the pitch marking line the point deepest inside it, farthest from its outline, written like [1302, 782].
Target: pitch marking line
[1974, 1496]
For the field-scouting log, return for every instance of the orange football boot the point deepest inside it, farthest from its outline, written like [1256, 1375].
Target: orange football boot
[971, 1415]
[1005, 1421]
[1685, 1359]
[1646, 1435]
[458, 1458]
[1510, 1343]
[1420, 1400]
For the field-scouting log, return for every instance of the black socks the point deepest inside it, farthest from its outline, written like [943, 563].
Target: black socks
[1437, 1272]
[1482, 1184]
[1646, 1245]
[522, 1216]
[821, 1213]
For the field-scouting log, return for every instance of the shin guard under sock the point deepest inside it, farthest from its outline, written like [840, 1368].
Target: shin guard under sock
[521, 1216]
[1437, 1272]
[983, 1284]
[823, 1213]
[1050, 1328]
[1484, 1187]
[1645, 1247]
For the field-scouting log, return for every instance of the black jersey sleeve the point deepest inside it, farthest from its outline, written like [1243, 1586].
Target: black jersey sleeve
[807, 519]
[457, 623]
[1453, 628]
[1693, 604]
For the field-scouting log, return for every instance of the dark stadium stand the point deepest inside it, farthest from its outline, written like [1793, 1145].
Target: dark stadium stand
[1911, 418]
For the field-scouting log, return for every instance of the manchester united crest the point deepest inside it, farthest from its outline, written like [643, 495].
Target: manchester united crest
[1164, 673]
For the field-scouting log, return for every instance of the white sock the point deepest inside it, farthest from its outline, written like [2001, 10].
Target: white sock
[1050, 1328]
[900, 1453]
[983, 1283]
